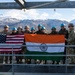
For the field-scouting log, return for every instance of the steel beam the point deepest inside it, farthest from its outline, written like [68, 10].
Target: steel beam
[11, 5]
[50, 4]
[38, 5]
[21, 3]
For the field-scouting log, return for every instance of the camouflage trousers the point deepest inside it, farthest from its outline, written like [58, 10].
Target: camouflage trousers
[71, 51]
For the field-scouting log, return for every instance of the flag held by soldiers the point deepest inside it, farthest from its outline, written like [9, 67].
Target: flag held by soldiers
[42, 45]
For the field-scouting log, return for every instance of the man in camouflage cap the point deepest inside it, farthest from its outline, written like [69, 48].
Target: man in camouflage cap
[71, 41]
[6, 30]
[27, 30]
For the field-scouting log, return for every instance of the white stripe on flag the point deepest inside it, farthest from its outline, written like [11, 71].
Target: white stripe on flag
[49, 49]
[11, 46]
[9, 50]
[9, 36]
[14, 41]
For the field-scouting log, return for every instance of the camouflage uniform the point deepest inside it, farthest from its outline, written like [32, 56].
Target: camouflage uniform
[27, 30]
[6, 57]
[71, 41]
[53, 31]
[64, 32]
[28, 61]
[5, 32]
[38, 32]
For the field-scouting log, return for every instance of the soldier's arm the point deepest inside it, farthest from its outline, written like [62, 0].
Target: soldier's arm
[72, 39]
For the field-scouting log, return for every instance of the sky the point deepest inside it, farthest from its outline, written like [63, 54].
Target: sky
[61, 14]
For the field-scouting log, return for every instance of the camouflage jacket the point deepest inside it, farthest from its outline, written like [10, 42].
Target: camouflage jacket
[5, 32]
[71, 38]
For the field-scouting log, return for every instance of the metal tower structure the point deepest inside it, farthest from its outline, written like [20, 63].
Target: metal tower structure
[22, 4]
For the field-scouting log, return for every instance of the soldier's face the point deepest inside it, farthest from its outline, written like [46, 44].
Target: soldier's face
[19, 30]
[6, 29]
[53, 29]
[33, 31]
[62, 27]
[43, 31]
[39, 28]
[14, 31]
[27, 29]
[70, 27]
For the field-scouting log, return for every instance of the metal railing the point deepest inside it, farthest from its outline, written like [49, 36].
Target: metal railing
[64, 55]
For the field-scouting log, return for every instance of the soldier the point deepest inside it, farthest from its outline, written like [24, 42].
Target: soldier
[43, 30]
[53, 31]
[39, 29]
[5, 31]
[64, 32]
[32, 30]
[71, 41]
[27, 29]
[20, 30]
[14, 31]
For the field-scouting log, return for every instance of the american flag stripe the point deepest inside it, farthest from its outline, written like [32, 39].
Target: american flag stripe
[19, 46]
[15, 40]
[6, 50]
[10, 48]
[16, 36]
[14, 43]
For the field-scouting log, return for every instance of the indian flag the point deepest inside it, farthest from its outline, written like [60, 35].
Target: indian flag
[44, 45]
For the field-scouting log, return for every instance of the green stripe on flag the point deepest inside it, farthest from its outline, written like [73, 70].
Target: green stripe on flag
[54, 58]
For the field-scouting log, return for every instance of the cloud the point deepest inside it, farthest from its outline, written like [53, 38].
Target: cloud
[72, 17]
[44, 16]
[28, 14]
[57, 14]
[15, 14]
[33, 14]
[73, 9]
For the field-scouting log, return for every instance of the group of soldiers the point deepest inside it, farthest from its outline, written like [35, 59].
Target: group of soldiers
[68, 34]
[41, 30]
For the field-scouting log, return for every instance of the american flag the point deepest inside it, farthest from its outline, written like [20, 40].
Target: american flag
[11, 41]
[2, 38]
